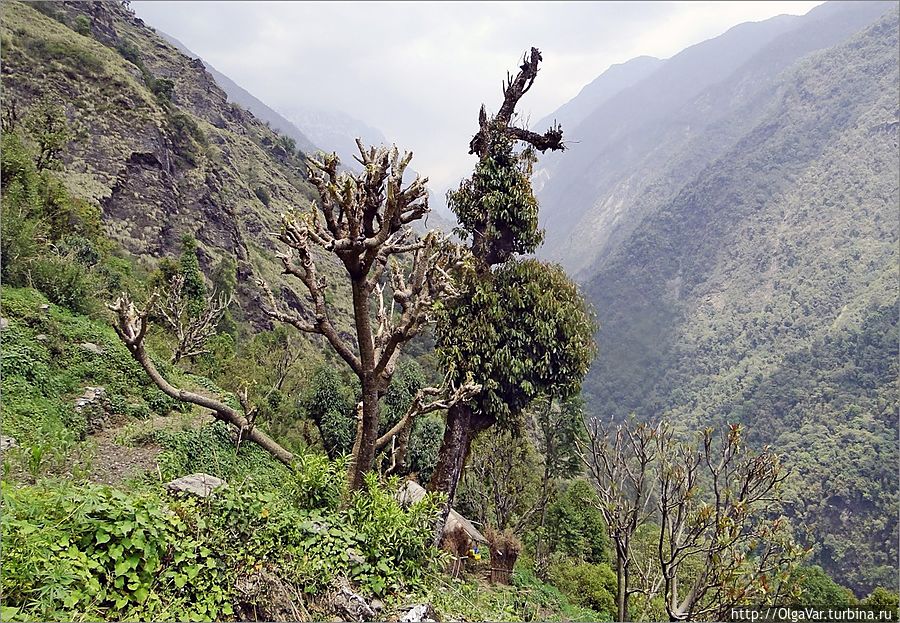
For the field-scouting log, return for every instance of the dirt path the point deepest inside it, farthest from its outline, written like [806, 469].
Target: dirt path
[116, 460]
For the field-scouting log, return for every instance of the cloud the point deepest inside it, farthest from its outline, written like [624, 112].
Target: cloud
[419, 71]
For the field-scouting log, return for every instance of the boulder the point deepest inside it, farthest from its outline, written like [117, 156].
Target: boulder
[419, 613]
[92, 348]
[8, 442]
[201, 485]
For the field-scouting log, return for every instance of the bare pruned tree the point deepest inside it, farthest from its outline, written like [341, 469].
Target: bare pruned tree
[716, 505]
[363, 219]
[193, 331]
[619, 459]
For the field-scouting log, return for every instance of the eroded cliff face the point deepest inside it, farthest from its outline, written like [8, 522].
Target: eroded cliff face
[157, 145]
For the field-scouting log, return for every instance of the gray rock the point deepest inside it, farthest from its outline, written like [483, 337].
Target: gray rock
[350, 606]
[92, 348]
[418, 614]
[4, 324]
[44, 307]
[201, 485]
[90, 396]
[8, 442]
[41, 337]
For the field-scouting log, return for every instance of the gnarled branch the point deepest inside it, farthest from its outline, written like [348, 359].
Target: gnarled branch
[131, 326]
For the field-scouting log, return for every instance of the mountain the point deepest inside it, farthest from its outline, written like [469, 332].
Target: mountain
[631, 153]
[159, 149]
[611, 82]
[738, 240]
[245, 99]
[615, 79]
[337, 131]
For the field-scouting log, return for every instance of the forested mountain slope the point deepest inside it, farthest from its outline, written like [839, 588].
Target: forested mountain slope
[764, 290]
[635, 151]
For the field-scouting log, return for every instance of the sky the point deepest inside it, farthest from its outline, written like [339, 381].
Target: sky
[420, 71]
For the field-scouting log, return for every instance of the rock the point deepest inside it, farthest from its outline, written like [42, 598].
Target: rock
[44, 307]
[201, 485]
[349, 605]
[377, 605]
[41, 337]
[4, 324]
[8, 442]
[419, 613]
[92, 348]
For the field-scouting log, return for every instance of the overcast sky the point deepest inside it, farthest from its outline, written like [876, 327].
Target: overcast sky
[419, 71]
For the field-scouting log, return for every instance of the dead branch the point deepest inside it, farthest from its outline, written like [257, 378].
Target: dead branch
[513, 90]
[192, 331]
[131, 325]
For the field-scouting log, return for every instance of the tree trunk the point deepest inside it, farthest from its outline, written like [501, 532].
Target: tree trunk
[364, 448]
[621, 585]
[462, 426]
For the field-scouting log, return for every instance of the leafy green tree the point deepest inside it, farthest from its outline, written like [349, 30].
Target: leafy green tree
[329, 403]
[48, 127]
[575, 526]
[189, 268]
[520, 328]
[885, 599]
[812, 586]
[224, 282]
[424, 445]
[501, 483]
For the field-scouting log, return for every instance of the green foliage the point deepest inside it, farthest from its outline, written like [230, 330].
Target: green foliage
[501, 484]
[49, 129]
[189, 140]
[42, 377]
[527, 599]
[263, 195]
[424, 445]
[575, 526]
[812, 586]
[497, 200]
[783, 315]
[50, 240]
[330, 404]
[523, 332]
[189, 269]
[134, 556]
[163, 88]
[83, 25]
[288, 144]
[589, 585]
[881, 597]
[408, 379]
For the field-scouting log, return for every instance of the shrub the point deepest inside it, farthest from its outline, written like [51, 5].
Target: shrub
[83, 25]
[589, 585]
[263, 195]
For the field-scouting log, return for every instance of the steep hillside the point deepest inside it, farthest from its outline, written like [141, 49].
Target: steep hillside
[634, 152]
[764, 290]
[157, 146]
[239, 95]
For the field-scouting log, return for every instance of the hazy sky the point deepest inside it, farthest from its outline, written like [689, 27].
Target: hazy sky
[419, 71]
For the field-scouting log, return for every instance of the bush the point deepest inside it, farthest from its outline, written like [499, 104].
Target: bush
[574, 525]
[83, 25]
[263, 195]
[589, 585]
